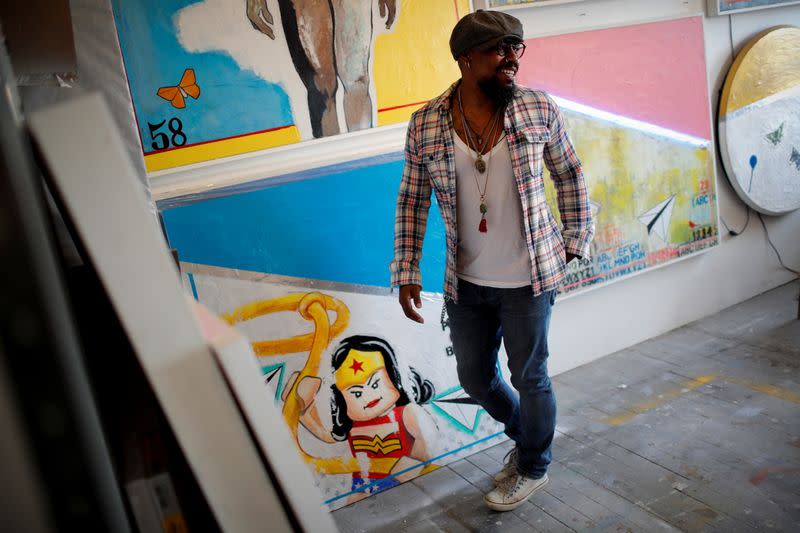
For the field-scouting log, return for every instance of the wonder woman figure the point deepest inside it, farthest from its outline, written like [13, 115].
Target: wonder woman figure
[373, 410]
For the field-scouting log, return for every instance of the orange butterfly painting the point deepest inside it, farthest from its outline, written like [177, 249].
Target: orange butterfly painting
[177, 94]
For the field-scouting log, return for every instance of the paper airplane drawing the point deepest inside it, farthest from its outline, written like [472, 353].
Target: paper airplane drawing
[458, 408]
[657, 218]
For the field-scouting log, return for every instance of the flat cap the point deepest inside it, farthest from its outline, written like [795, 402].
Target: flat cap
[483, 29]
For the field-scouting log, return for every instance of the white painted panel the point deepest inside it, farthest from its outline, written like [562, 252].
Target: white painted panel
[98, 186]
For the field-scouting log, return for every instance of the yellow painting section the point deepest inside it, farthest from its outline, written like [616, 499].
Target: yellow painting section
[413, 63]
[629, 171]
[218, 149]
[769, 64]
[396, 116]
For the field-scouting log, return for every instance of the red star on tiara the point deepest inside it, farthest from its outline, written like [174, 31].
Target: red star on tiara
[357, 367]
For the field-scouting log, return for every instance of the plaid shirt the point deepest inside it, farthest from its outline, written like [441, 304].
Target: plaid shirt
[536, 135]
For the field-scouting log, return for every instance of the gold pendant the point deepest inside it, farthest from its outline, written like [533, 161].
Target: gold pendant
[480, 165]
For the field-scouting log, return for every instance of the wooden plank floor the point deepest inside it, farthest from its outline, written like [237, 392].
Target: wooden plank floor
[695, 430]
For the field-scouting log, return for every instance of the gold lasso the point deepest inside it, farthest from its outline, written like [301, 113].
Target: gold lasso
[313, 307]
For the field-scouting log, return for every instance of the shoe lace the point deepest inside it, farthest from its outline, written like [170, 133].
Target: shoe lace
[510, 458]
[511, 484]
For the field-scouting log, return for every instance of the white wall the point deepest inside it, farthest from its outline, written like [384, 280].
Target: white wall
[608, 319]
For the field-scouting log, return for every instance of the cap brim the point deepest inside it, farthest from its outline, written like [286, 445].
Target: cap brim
[494, 41]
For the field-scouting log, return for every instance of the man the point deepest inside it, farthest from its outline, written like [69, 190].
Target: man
[480, 148]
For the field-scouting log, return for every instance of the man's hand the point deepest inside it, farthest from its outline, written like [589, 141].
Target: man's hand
[407, 294]
[260, 17]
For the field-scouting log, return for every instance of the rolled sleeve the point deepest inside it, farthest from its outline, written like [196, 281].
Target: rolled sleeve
[573, 198]
[411, 215]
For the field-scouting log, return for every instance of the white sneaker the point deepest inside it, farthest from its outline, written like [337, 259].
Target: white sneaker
[510, 466]
[513, 491]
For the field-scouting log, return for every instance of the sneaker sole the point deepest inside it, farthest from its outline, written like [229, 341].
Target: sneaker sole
[503, 507]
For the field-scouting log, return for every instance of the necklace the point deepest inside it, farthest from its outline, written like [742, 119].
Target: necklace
[478, 136]
[482, 225]
[480, 164]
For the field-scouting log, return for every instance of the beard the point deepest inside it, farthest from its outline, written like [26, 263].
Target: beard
[498, 92]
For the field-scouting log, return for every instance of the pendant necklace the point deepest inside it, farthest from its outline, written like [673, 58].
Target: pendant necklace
[482, 225]
[480, 164]
[479, 136]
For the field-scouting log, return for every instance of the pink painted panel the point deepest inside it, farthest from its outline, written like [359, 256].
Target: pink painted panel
[653, 72]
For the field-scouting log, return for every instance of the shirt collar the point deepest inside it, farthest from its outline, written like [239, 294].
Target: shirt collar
[444, 100]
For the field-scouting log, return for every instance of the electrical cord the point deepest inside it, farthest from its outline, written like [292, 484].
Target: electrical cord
[734, 233]
[766, 233]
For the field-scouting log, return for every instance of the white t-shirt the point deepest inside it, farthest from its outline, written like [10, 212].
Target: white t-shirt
[499, 257]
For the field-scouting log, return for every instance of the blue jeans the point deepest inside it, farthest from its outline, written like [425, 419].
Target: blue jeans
[478, 321]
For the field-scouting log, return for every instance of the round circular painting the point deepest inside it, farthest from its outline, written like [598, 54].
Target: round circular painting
[759, 122]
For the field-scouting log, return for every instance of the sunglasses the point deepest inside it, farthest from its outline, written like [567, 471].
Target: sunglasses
[505, 48]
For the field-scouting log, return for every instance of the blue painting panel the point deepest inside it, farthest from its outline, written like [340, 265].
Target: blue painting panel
[232, 101]
[338, 227]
